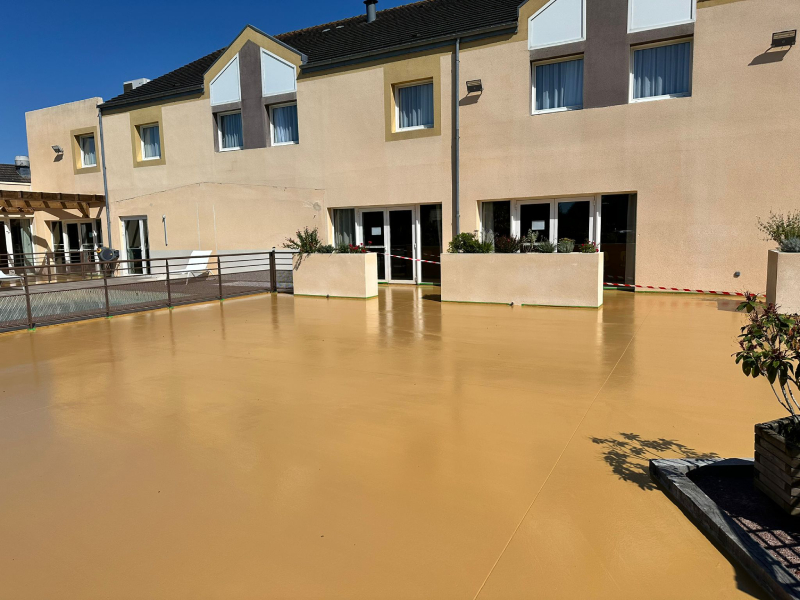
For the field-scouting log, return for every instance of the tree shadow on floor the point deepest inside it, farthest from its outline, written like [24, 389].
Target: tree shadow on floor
[629, 454]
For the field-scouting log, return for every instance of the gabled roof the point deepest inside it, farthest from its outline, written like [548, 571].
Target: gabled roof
[407, 24]
[9, 174]
[395, 28]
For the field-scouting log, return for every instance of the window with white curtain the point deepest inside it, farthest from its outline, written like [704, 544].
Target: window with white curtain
[283, 121]
[414, 106]
[662, 71]
[151, 142]
[230, 131]
[558, 85]
[88, 152]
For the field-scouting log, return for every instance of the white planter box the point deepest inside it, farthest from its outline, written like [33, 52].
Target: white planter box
[574, 280]
[336, 275]
[783, 281]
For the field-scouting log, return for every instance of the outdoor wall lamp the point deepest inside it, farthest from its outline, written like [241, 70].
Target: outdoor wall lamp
[782, 39]
[475, 86]
[58, 150]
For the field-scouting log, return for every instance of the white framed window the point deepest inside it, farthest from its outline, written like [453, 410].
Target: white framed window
[277, 75]
[557, 85]
[283, 124]
[231, 136]
[661, 71]
[652, 14]
[151, 141]
[88, 151]
[226, 87]
[557, 22]
[414, 106]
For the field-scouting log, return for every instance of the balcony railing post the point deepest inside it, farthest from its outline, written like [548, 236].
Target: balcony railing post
[219, 275]
[105, 290]
[169, 287]
[31, 324]
[273, 272]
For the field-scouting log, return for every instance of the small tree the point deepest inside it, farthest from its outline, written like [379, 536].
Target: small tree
[770, 348]
[307, 241]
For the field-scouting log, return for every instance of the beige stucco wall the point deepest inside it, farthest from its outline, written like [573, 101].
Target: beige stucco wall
[571, 280]
[704, 167]
[57, 125]
[336, 275]
[223, 217]
[783, 281]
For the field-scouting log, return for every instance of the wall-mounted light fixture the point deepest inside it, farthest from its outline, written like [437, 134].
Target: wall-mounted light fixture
[58, 150]
[475, 86]
[782, 39]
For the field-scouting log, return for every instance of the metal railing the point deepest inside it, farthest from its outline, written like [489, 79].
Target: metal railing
[72, 265]
[30, 298]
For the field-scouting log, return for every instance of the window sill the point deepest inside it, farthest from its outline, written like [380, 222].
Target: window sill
[231, 149]
[151, 158]
[274, 144]
[657, 98]
[420, 128]
[557, 110]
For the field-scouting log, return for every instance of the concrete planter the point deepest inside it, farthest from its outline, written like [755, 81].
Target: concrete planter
[574, 280]
[783, 281]
[336, 275]
[777, 464]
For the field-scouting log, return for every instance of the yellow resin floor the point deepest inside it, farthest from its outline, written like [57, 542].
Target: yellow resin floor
[279, 447]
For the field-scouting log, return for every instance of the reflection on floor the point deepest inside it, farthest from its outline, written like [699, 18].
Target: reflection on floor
[279, 447]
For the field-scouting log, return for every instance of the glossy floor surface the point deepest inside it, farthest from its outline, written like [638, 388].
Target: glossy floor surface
[279, 447]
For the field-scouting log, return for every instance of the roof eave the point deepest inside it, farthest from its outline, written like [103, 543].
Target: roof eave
[186, 91]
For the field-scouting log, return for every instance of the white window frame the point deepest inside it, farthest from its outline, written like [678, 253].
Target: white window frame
[238, 81]
[141, 139]
[632, 29]
[631, 83]
[219, 130]
[272, 124]
[540, 63]
[83, 156]
[594, 216]
[532, 46]
[264, 93]
[397, 89]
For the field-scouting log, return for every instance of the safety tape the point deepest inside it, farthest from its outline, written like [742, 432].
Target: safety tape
[623, 285]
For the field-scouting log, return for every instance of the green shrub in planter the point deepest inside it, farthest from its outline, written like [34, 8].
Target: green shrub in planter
[504, 244]
[588, 248]
[307, 241]
[469, 243]
[566, 245]
[791, 245]
[782, 228]
[326, 249]
[546, 247]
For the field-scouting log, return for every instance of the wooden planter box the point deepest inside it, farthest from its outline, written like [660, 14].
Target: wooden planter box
[783, 281]
[777, 464]
[574, 280]
[336, 275]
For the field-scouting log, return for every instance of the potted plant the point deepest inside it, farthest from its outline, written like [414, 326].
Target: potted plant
[526, 271]
[322, 270]
[783, 266]
[770, 348]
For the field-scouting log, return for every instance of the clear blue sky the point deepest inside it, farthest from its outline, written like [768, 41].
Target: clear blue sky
[56, 51]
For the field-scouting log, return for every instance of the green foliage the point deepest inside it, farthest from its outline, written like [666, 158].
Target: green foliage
[307, 241]
[780, 228]
[529, 241]
[469, 243]
[506, 244]
[770, 348]
[791, 245]
[546, 247]
[325, 249]
[588, 248]
[351, 249]
[566, 245]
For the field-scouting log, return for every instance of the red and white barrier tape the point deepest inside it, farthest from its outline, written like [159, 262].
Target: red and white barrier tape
[622, 285]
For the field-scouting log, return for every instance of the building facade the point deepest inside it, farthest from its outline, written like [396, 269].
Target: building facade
[657, 130]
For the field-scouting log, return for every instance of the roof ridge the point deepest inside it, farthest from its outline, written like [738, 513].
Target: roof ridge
[347, 19]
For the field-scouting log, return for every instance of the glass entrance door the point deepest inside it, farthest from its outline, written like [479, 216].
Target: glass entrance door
[575, 220]
[430, 242]
[4, 247]
[21, 242]
[401, 248]
[374, 233]
[137, 247]
[536, 218]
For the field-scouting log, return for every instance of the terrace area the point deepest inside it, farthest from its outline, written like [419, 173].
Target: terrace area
[288, 447]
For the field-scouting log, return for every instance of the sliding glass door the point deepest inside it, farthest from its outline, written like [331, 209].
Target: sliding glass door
[137, 247]
[572, 218]
[401, 249]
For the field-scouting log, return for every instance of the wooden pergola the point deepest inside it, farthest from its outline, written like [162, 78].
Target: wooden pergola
[18, 202]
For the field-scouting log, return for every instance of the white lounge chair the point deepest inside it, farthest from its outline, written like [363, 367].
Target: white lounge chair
[196, 267]
[8, 278]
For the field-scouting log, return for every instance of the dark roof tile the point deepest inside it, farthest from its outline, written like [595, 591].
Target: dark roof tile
[9, 174]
